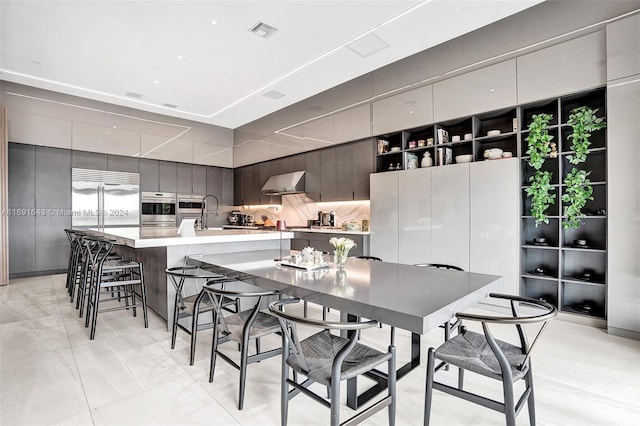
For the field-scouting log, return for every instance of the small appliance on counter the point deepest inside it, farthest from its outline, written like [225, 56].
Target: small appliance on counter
[327, 219]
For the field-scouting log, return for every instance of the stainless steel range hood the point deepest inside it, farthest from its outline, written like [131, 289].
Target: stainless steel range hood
[288, 183]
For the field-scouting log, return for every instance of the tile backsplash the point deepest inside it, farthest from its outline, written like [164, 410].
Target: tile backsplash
[297, 209]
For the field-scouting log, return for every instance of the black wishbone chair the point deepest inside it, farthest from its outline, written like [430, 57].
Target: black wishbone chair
[328, 359]
[483, 354]
[241, 327]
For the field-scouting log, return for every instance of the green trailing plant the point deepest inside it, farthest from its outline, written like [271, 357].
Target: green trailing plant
[578, 190]
[541, 195]
[538, 148]
[539, 140]
[583, 121]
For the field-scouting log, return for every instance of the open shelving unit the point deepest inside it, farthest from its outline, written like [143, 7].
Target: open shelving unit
[573, 278]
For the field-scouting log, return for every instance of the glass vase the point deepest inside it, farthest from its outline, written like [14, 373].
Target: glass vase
[340, 258]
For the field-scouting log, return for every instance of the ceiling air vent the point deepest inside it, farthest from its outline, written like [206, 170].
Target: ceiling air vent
[273, 94]
[263, 30]
[133, 95]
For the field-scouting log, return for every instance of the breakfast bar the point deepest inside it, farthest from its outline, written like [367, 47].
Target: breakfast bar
[162, 248]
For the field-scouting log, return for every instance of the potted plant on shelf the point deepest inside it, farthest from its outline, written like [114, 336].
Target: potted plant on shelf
[540, 191]
[578, 190]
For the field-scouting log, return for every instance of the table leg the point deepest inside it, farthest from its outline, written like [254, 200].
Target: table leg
[353, 399]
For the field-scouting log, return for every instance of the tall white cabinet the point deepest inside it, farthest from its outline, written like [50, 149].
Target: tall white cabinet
[494, 226]
[464, 214]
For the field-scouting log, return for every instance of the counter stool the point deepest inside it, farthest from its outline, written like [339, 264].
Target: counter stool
[113, 276]
[195, 304]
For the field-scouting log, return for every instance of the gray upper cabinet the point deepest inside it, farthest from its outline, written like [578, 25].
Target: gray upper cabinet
[403, 111]
[363, 166]
[486, 89]
[623, 48]
[89, 160]
[328, 189]
[344, 172]
[565, 68]
[199, 180]
[184, 178]
[120, 163]
[312, 175]
[167, 176]
[227, 187]
[352, 124]
[214, 184]
[148, 175]
[237, 187]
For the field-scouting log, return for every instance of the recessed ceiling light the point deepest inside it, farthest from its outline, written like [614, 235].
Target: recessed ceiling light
[214, 22]
[273, 94]
[156, 81]
[263, 30]
[180, 57]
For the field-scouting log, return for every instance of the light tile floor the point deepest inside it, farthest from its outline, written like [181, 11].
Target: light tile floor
[50, 373]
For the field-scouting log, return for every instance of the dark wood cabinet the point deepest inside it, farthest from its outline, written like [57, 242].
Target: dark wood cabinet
[148, 174]
[167, 176]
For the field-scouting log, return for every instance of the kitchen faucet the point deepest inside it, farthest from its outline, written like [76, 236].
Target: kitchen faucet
[203, 221]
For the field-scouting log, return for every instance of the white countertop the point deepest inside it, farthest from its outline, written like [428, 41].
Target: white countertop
[137, 237]
[330, 231]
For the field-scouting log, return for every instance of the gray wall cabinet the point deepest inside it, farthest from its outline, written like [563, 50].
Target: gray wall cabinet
[148, 175]
[184, 179]
[623, 48]
[403, 111]
[167, 176]
[22, 227]
[120, 163]
[89, 160]
[198, 180]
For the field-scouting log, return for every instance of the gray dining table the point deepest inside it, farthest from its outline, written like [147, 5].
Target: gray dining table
[408, 297]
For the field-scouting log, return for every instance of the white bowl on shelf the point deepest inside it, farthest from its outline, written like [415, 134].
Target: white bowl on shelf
[465, 158]
[493, 132]
[395, 149]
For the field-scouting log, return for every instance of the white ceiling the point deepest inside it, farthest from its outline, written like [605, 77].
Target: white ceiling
[171, 53]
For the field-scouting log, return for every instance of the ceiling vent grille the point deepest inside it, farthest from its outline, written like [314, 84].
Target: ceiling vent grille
[263, 30]
[273, 94]
[133, 95]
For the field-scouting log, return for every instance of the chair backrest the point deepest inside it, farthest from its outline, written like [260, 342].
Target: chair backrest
[440, 266]
[377, 259]
[546, 313]
[217, 290]
[289, 321]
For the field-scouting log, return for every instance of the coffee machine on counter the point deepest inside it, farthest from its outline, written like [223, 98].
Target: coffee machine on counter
[327, 219]
[238, 218]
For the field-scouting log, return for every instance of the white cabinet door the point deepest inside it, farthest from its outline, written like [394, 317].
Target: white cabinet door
[564, 68]
[487, 89]
[495, 229]
[450, 215]
[403, 111]
[384, 215]
[415, 216]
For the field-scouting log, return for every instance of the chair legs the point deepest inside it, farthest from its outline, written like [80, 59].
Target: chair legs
[429, 386]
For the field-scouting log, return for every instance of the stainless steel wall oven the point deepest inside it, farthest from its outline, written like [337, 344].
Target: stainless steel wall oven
[190, 207]
[158, 209]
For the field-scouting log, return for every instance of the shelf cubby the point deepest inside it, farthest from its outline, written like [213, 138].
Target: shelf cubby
[583, 299]
[540, 289]
[593, 231]
[547, 166]
[545, 107]
[595, 99]
[504, 120]
[597, 139]
[584, 267]
[554, 209]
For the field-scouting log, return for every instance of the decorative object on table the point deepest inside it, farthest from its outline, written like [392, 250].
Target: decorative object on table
[308, 259]
[578, 190]
[427, 161]
[341, 249]
[538, 148]
[412, 161]
[281, 226]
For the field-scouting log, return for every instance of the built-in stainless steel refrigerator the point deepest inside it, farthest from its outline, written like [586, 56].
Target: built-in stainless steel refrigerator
[102, 198]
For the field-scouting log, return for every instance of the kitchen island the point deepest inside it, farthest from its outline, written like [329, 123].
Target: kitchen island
[161, 248]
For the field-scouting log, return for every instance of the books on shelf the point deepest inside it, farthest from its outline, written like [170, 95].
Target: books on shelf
[444, 156]
[442, 136]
